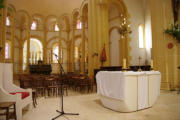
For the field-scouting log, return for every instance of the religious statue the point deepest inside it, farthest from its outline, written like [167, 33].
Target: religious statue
[175, 6]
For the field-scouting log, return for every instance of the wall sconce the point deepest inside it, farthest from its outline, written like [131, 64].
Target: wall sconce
[124, 28]
[95, 54]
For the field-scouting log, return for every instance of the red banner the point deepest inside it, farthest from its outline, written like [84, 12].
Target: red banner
[103, 55]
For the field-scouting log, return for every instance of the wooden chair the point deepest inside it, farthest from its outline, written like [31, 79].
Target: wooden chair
[65, 84]
[51, 86]
[38, 85]
[6, 106]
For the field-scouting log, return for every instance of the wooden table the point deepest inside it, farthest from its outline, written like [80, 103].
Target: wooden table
[6, 106]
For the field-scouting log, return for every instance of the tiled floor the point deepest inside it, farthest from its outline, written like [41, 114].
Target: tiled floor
[89, 107]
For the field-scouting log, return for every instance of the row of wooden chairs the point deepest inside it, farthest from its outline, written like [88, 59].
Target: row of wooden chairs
[79, 82]
[42, 84]
[50, 84]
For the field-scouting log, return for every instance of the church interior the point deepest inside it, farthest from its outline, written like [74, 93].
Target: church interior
[67, 50]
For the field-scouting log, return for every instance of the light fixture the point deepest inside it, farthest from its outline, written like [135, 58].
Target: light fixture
[124, 28]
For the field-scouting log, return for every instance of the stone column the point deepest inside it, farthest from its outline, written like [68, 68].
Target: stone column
[98, 29]
[28, 46]
[83, 46]
[60, 48]
[21, 52]
[45, 46]
[72, 46]
[68, 52]
[165, 59]
[12, 38]
[3, 32]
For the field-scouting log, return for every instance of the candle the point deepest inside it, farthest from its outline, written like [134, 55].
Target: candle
[124, 63]
[151, 63]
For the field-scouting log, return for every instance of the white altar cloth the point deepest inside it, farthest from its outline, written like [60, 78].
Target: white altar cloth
[136, 90]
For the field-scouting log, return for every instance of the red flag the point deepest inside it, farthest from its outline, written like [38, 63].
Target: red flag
[103, 55]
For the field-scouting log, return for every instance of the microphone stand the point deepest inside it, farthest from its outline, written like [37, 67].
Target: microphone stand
[61, 113]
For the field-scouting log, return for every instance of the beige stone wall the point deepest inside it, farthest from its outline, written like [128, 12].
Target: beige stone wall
[165, 60]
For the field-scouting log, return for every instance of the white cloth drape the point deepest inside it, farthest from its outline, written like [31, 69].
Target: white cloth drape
[112, 84]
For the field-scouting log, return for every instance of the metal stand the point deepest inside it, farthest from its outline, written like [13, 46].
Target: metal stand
[62, 91]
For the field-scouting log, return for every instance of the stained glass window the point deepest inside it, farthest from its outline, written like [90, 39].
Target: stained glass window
[55, 52]
[7, 21]
[7, 50]
[34, 25]
[79, 25]
[56, 27]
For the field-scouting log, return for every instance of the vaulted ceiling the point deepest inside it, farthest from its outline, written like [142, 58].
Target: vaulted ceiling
[46, 7]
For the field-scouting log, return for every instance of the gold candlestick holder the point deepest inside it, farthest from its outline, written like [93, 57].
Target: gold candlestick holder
[152, 67]
[139, 64]
[124, 68]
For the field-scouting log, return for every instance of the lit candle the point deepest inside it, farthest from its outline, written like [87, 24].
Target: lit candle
[151, 63]
[124, 63]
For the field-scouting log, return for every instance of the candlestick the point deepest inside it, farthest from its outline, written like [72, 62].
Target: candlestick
[139, 64]
[124, 63]
[152, 64]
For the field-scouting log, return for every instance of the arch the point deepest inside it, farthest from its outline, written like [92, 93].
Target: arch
[50, 20]
[12, 7]
[120, 5]
[55, 37]
[112, 28]
[28, 17]
[123, 44]
[39, 19]
[37, 37]
[49, 17]
[66, 18]
[84, 3]
[11, 14]
[75, 16]
[36, 53]
[23, 19]
[84, 13]
[39, 16]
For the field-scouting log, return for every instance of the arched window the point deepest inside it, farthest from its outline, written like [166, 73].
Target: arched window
[56, 28]
[34, 25]
[55, 52]
[7, 50]
[8, 21]
[36, 52]
[76, 54]
[79, 24]
[141, 36]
